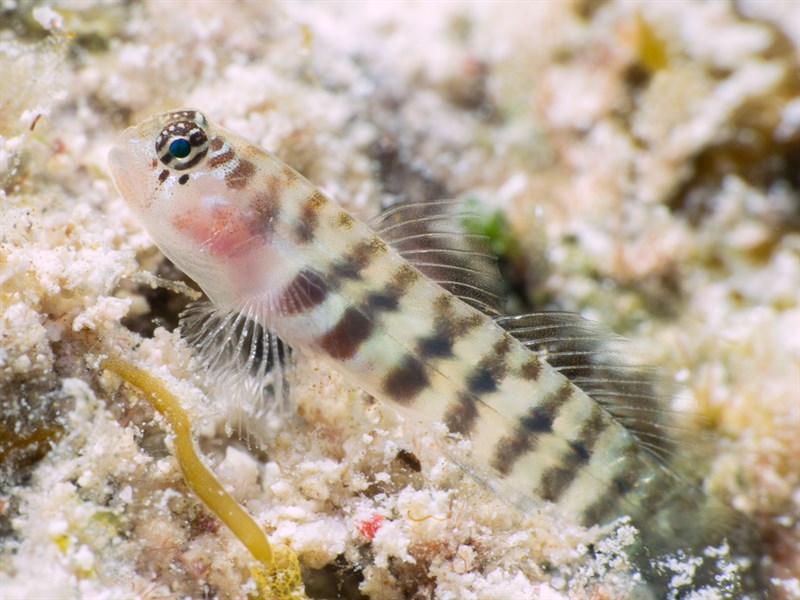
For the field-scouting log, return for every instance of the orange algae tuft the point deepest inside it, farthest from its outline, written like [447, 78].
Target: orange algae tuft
[652, 50]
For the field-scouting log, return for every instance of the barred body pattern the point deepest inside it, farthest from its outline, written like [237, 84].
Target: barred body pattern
[259, 238]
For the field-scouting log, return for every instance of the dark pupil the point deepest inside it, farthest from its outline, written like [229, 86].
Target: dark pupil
[180, 148]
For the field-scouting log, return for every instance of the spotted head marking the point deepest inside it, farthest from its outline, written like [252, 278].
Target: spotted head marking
[183, 142]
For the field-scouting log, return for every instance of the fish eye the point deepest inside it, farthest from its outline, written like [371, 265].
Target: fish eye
[180, 148]
[182, 143]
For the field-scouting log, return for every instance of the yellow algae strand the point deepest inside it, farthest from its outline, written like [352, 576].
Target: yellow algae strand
[279, 579]
[198, 476]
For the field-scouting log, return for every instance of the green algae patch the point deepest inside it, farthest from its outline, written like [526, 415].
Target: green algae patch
[492, 224]
[278, 575]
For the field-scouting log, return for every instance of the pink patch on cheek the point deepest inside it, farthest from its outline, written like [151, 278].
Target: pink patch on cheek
[223, 232]
[191, 226]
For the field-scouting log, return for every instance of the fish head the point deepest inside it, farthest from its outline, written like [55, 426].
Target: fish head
[193, 185]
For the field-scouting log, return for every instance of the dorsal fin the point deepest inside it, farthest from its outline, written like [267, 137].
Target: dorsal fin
[432, 236]
[243, 362]
[595, 359]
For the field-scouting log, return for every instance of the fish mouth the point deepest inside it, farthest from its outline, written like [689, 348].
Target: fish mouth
[116, 159]
[129, 163]
[121, 171]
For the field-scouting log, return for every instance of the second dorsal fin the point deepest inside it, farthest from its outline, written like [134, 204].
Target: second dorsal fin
[432, 236]
[595, 359]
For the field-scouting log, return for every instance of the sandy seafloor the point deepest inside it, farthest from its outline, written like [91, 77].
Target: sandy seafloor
[645, 157]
